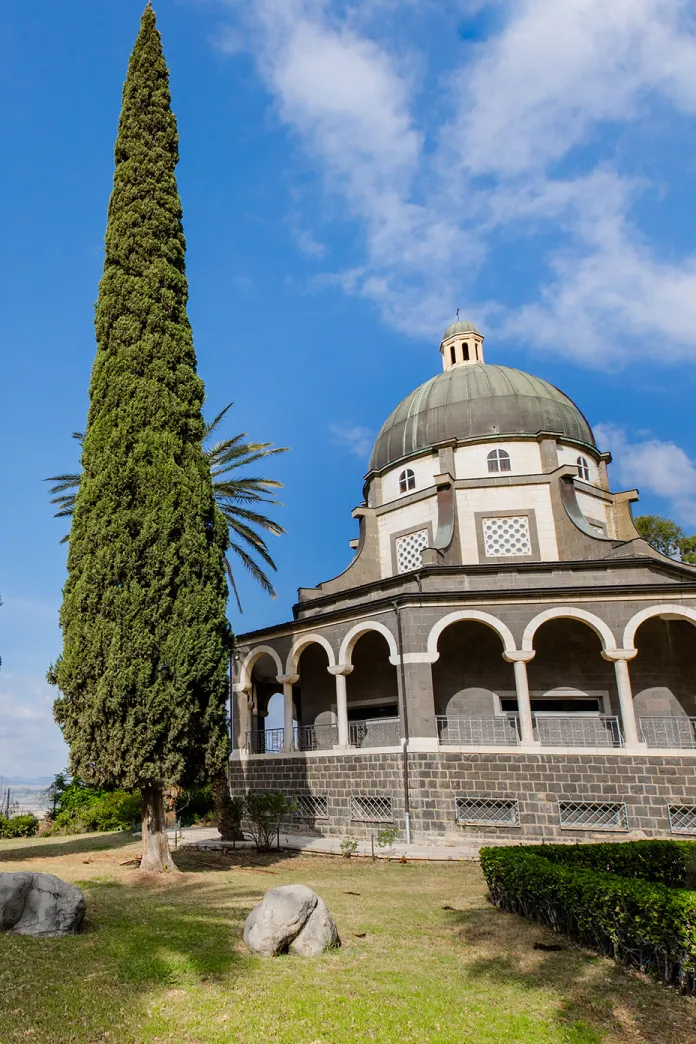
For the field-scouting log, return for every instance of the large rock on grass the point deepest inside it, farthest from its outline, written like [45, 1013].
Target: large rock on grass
[292, 919]
[40, 905]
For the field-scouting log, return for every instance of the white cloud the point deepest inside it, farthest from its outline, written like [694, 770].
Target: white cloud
[662, 468]
[546, 84]
[30, 742]
[356, 439]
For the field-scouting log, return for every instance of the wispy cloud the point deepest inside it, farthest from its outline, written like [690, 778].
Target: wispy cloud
[661, 468]
[432, 188]
[356, 439]
[30, 742]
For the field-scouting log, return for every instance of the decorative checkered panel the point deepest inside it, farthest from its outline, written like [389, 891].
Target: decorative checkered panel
[682, 819]
[487, 811]
[408, 550]
[369, 809]
[506, 537]
[311, 806]
[590, 815]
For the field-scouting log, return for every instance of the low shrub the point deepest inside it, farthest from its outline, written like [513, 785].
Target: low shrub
[108, 810]
[671, 863]
[18, 826]
[639, 922]
[263, 811]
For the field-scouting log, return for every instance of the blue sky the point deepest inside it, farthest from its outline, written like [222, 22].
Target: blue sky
[350, 175]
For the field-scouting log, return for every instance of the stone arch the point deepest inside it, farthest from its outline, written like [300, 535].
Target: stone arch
[250, 659]
[356, 632]
[682, 611]
[463, 615]
[301, 644]
[568, 612]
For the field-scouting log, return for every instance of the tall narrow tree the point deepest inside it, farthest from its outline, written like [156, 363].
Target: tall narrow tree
[146, 642]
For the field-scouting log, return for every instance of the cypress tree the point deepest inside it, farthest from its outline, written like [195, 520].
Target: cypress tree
[142, 674]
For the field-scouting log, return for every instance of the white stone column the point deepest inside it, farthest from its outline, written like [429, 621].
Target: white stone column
[287, 681]
[340, 673]
[519, 660]
[620, 658]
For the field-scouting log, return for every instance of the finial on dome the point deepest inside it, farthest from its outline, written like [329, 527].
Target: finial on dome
[461, 344]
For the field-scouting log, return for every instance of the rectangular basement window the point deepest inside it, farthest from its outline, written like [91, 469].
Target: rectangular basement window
[371, 808]
[593, 815]
[476, 811]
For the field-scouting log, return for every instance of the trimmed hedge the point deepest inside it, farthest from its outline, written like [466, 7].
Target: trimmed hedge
[641, 923]
[671, 863]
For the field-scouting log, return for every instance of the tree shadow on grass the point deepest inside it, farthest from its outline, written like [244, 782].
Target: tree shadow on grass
[596, 997]
[191, 860]
[35, 848]
[146, 941]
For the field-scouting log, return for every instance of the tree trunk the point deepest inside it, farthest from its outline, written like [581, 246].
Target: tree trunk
[228, 820]
[156, 854]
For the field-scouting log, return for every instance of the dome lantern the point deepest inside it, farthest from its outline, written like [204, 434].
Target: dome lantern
[461, 344]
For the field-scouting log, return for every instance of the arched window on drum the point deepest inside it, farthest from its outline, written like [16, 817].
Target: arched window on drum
[499, 460]
[407, 481]
[583, 468]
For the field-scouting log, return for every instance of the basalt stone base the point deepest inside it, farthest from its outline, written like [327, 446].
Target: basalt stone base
[342, 788]
[40, 905]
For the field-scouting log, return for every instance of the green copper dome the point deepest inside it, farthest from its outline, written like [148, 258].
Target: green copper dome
[477, 401]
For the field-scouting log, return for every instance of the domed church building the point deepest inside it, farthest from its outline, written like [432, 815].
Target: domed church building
[504, 652]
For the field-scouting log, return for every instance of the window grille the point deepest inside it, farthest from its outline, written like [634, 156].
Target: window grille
[408, 550]
[311, 806]
[590, 815]
[407, 481]
[507, 537]
[487, 811]
[371, 809]
[583, 468]
[499, 460]
[682, 819]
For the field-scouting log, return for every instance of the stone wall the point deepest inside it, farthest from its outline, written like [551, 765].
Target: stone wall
[647, 784]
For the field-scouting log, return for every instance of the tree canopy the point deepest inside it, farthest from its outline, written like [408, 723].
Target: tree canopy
[667, 537]
[146, 642]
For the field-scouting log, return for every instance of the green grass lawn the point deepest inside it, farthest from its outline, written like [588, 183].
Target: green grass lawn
[163, 960]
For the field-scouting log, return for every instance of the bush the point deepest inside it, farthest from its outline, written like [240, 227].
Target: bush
[79, 808]
[642, 923]
[671, 863]
[18, 826]
[193, 806]
[263, 811]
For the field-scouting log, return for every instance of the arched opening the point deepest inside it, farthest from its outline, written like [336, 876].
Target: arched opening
[473, 687]
[266, 735]
[572, 687]
[663, 679]
[315, 697]
[372, 694]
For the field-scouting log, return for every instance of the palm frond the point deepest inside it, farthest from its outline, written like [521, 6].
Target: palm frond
[232, 512]
[233, 585]
[257, 573]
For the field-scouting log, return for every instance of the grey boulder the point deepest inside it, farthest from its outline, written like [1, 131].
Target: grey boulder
[290, 918]
[40, 905]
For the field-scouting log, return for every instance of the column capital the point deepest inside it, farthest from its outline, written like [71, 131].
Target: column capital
[519, 655]
[619, 654]
[287, 679]
[340, 668]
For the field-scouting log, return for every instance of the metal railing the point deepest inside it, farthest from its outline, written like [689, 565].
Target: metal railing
[315, 737]
[375, 732]
[265, 741]
[576, 730]
[478, 732]
[679, 732]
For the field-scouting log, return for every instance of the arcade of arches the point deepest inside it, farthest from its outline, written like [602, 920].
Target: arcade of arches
[567, 672]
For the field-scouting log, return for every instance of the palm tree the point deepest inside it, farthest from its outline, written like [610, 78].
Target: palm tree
[236, 497]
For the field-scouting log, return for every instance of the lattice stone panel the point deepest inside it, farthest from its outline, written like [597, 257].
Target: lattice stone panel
[682, 819]
[507, 537]
[311, 806]
[590, 815]
[487, 811]
[371, 809]
[408, 550]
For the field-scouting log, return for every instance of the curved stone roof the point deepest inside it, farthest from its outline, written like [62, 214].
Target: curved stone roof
[476, 401]
[460, 327]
